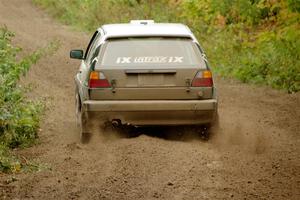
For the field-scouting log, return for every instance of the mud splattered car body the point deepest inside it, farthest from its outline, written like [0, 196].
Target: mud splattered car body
[144, 73]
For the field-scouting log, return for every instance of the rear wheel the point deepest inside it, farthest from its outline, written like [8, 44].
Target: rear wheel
[206, 131]
[81, 120]
[215, 126]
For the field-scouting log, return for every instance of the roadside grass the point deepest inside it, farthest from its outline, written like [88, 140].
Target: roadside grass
[255, 41]
[19, 116]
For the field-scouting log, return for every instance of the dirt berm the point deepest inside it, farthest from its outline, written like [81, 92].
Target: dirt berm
[254, 155]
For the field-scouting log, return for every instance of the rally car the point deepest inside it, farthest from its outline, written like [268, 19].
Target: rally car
[144, 74]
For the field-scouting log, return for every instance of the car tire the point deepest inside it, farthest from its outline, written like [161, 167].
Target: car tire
[81, 120]
[207, 131]
[215, 126]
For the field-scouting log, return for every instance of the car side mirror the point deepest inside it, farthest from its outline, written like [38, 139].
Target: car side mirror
[76, 54]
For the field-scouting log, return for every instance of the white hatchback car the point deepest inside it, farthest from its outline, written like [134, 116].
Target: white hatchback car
[144, 73]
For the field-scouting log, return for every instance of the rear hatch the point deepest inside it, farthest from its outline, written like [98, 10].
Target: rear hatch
[149, 68]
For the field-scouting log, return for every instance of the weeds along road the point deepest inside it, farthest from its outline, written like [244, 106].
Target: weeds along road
[255, 154]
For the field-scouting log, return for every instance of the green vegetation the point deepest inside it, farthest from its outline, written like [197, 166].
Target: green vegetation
[255, 41]
[19, 117]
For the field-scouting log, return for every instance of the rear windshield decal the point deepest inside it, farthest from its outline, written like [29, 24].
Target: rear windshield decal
[150, 59]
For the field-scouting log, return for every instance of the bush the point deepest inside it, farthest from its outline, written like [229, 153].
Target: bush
[19, 117]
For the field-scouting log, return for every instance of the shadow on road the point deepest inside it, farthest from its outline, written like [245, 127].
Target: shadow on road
[173, 133]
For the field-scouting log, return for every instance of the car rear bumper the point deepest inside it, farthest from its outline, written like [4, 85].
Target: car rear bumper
[153, 112]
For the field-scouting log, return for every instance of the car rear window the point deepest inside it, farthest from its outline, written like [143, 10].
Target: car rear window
[150, 52]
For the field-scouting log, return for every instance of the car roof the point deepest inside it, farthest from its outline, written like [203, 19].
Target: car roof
[146, 28]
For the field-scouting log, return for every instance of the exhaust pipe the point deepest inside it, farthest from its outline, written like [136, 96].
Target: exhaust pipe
[116, 122]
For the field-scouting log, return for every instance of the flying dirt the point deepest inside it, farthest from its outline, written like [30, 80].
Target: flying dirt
[253, 155]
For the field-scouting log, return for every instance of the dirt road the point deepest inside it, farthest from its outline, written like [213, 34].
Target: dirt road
[255, 154]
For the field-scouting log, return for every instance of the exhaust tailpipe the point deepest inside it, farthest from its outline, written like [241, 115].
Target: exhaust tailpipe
[116, 122]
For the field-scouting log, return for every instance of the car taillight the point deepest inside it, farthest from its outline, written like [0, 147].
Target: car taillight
[203, 79]
[98, 80]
